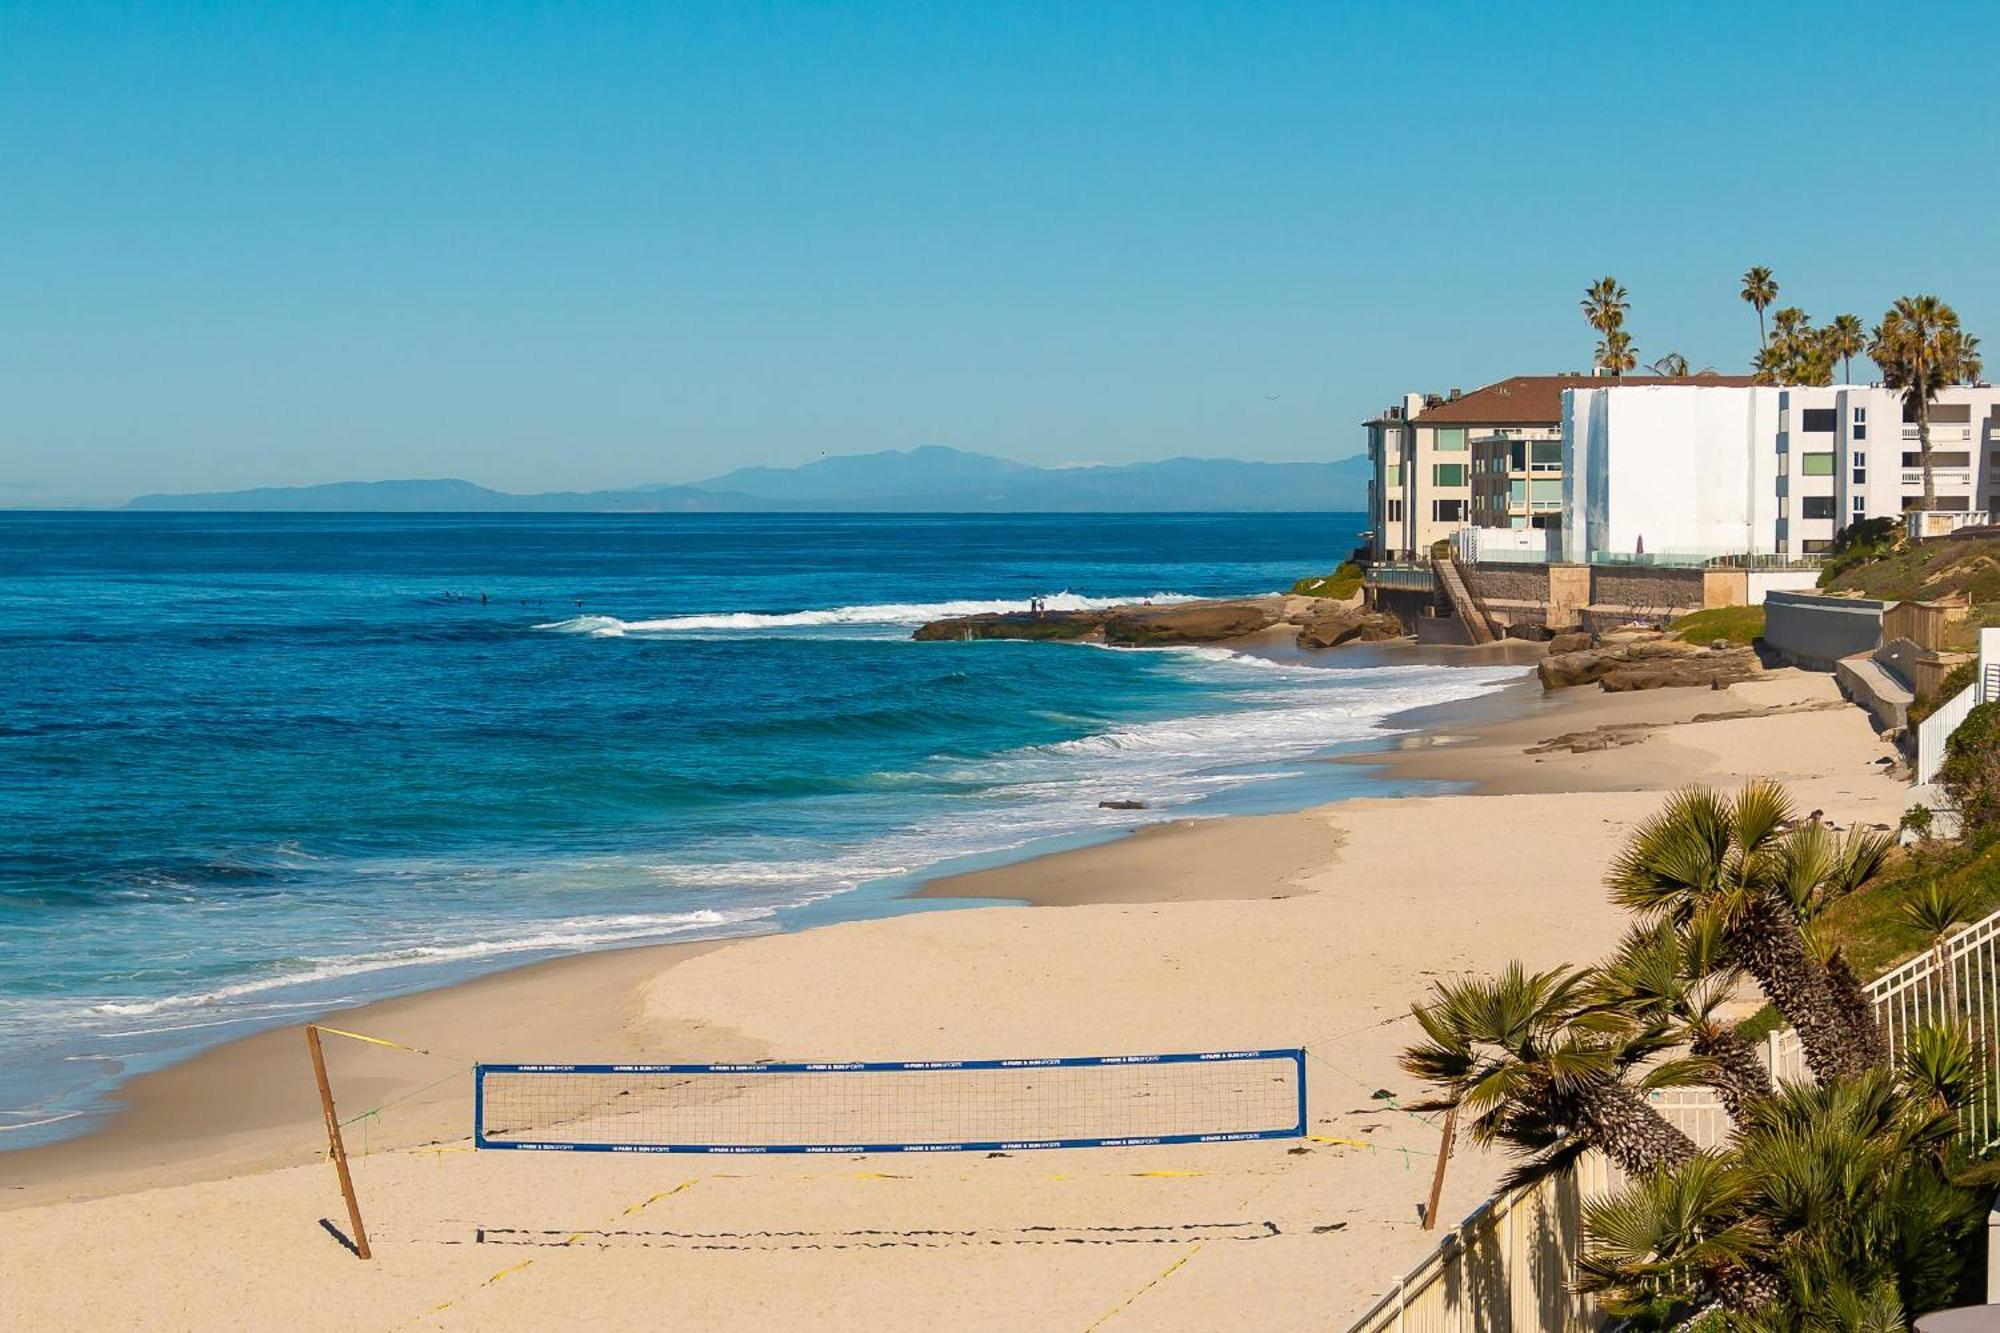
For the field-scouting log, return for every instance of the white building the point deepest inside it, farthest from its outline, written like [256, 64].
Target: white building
[1490, 458]
[1714, 470]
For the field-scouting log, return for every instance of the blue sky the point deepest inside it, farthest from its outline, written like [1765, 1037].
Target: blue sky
[553, 246]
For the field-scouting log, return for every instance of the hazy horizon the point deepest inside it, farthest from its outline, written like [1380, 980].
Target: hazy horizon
[546, 249]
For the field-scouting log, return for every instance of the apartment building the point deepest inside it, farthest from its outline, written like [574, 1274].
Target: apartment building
[1731, 468]
[1492, 458]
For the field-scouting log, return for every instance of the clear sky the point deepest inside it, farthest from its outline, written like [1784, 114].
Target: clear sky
[584, 245]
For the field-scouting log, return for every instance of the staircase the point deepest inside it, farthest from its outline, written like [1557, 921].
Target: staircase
[1462, 600]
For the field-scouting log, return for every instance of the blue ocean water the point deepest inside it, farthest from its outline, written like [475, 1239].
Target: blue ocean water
[253, 765]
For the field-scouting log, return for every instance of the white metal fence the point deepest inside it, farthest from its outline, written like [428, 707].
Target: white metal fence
[1508, 1266]
[1935, 730]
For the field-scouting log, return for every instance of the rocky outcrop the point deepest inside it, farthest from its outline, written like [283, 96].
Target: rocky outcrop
[1345, 625]
[1322, 621]
[1188, 622]
[1054, 625]
[1136, 626]
[1649, 664]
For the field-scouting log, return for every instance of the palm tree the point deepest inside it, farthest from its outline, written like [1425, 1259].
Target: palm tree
[1671, 366]
[1731, 857]
[1846, 339]
[1921, 349]
[1604, 304]
[1834, 1207]
[1934, 910]
[1615, 352]
[1679, 979]
[1760, 289]
[1667, 1240]
[1531, 1063]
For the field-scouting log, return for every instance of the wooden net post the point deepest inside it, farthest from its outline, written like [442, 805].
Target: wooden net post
[335, 1147]
[1437, 1176]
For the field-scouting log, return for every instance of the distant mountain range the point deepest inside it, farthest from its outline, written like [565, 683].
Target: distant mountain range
[931, 479]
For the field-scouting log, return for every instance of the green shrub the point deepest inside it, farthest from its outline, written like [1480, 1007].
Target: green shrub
[1917, 820]
[1344, 582]
[1857, 544]
[1737, 624]
[1955, 680]
[1970, 774]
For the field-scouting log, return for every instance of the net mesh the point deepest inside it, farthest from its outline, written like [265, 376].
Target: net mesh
[806, 1108]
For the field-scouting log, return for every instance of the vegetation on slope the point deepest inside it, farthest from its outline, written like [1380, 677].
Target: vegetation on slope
[1742, 625]
[1922, 571]
[1344, 582]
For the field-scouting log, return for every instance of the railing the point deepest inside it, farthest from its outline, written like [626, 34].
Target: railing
[1417, 578]
[1958, 981]
[1487, 1275]
[1504, 1267]
[1707, 560]
[1934, 732]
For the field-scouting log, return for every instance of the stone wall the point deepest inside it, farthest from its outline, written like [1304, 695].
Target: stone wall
[1816, 632]
[1513, 594]
[1647, 592]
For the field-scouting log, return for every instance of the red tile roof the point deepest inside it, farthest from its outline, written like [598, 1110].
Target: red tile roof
[1527, 400]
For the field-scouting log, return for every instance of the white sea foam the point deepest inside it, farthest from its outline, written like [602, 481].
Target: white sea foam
[883, 614]
[574, 934]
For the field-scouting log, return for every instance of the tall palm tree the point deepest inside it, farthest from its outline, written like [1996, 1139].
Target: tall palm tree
[1846, 339]
[1679, 979]
[1731, 856]
[1615, 352]
[1671, 366]
[1760, 289]
[1604, 304]
[1527, 1059]
[1921, 349]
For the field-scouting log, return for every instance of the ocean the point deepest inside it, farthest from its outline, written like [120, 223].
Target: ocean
[253, 766]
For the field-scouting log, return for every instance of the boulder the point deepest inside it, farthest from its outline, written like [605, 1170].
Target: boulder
[1337, 625]
[1649, 664]
[1569, 643]
[1188, 622]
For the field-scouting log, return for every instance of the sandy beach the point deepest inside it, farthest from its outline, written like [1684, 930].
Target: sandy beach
[200, 1207]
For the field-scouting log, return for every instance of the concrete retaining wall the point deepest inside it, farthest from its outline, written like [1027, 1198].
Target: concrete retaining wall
[1816, 632]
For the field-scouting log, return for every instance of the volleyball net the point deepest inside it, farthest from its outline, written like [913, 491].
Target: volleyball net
[914, 1106]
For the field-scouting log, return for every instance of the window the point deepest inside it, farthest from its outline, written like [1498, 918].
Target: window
[1860, 461]
[1520, 457]
[1860, 506]
[1393, 475]
[1816, 465]
[1545, 493]
[1784, 509]
[1517, 492]
[1448, 511]
[1817, 545]
[1819, 420]
[1395, 511]
[1955, 503]
[1548, 455]
[1939, 458]
[1448, 439]
[1860, 423]
[1816, 506]
[1447, 474]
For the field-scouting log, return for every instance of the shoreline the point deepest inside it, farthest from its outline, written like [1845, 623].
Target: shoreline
[1317, 927]
[935, 887]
